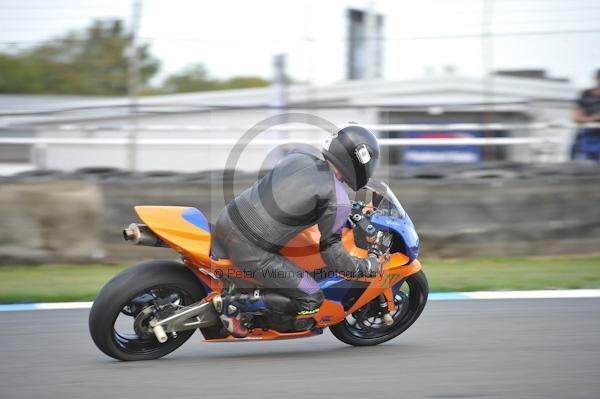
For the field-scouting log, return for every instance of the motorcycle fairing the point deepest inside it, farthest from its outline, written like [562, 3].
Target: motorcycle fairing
[187, 231]
[404, 228]
[197, 218]
[343, 291]
[176, 225]
[169, 223]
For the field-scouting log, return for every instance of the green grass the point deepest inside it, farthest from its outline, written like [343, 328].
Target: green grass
[55, 283]
[498, 274]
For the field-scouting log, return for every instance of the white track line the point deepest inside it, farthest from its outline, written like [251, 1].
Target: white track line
[541, 294]
[434, 296]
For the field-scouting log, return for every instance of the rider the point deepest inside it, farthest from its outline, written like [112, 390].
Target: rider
[300, 191]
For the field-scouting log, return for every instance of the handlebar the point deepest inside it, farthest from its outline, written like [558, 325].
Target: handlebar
[379, 242]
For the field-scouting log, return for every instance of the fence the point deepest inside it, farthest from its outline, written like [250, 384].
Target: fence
[541, 140]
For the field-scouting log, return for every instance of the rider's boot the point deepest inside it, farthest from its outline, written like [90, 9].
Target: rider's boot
[230, 316]
[232, 307]
[303, 323]
[231, 319]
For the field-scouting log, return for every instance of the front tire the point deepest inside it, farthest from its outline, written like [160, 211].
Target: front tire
[127, 295]
[365, 328]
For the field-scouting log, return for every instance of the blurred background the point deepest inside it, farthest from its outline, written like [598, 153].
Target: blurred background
[488, 115]
[109, 104]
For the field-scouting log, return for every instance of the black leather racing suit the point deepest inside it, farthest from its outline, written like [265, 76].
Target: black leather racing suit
[300, 191]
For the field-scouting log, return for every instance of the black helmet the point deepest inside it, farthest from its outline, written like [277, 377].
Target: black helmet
[354, 151]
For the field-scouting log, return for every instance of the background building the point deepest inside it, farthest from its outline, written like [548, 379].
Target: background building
[516, 108]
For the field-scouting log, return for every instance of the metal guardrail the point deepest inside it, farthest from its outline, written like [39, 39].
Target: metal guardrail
[543, 148]
[295, 128]
[267, 142]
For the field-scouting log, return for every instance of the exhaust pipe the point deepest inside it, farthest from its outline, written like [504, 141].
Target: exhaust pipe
[140, 234]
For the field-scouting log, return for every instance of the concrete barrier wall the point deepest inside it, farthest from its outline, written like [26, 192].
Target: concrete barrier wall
[50, 222]
[472, 213]
[539, 216]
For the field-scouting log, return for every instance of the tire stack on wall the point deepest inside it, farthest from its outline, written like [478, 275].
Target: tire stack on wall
[459, 211]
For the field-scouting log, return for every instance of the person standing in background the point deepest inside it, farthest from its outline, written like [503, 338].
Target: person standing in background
[587, 141]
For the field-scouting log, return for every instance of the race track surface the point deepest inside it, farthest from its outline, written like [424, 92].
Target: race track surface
[538, 348]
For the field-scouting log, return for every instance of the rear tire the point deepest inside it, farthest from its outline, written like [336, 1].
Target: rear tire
[417, 299]
[132, 283]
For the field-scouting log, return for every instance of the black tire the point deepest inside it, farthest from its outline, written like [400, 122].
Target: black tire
[122, 289]
[417, 299]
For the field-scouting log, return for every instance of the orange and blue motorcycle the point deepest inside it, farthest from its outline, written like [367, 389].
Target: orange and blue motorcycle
[152, 308]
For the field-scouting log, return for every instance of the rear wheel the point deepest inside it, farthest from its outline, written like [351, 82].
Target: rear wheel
[120, 315]
[366, 327]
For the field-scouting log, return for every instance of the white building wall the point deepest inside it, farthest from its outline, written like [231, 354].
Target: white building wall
[183, 158]
[368, 97]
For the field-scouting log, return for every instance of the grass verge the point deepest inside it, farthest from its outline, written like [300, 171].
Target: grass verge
[56, 283]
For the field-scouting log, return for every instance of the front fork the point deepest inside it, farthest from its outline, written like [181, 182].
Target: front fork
[386, 309]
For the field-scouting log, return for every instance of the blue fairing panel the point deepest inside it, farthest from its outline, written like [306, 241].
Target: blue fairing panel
[335, 287]
[195, 217]
[404, 228]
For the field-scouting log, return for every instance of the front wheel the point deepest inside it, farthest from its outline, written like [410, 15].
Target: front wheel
[365, 327]
[120, 315]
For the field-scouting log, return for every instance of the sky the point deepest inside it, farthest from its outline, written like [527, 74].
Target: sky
[239, 37]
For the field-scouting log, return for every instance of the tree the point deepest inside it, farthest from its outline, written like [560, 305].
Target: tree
[191, 79]
[195, 78]
[242, 82]
[90, 62]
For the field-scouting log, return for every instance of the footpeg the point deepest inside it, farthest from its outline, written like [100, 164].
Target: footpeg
[217, 302]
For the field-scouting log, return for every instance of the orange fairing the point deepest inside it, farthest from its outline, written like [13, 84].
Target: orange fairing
[304, 249]
[192, 240]
[187, 231]
[330, 313]
[183, 236]
[393, 271]
[265, 335]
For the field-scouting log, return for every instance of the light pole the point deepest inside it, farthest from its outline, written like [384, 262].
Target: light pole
[133, 85]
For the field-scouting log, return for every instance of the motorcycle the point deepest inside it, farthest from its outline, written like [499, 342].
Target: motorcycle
[152, 308]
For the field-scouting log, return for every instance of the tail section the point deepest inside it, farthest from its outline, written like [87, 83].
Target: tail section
[184, 229]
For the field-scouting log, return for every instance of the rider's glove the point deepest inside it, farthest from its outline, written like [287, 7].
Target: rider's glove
[374, 264]
[369, 267]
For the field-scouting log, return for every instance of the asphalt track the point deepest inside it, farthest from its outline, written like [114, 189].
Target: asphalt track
[535, 348]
